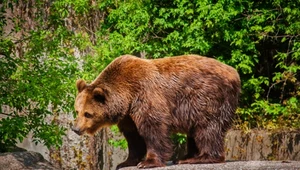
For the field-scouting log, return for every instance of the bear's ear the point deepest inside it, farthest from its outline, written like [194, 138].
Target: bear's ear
[81, 84]
[99, 95]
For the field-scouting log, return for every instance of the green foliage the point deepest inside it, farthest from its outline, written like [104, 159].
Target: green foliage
[259, 39]
[122, 143]
[179, 138]
[37, 80]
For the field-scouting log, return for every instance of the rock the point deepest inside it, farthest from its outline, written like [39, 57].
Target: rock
[262, 145]
[24, 160]
[86, 152]
[29, 145]
[245, 165]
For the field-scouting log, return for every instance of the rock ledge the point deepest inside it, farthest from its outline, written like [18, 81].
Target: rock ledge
[24, 160]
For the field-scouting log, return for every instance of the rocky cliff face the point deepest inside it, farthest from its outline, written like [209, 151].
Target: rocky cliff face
[85, 152]
[24, 160]
[255, 145]
[262, 145]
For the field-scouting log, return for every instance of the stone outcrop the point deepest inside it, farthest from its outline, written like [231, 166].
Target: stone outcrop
[262, 145]
[24, 160]
[85, 152]
[244, 165]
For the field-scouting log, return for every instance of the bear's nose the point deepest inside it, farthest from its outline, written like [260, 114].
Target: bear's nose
[76, 130]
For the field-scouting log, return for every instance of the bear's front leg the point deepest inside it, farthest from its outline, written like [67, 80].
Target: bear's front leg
[136, 143]
[152, 160]
[158, 143]
[136, 149]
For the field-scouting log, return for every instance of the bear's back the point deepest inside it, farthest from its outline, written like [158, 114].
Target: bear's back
[190, 67]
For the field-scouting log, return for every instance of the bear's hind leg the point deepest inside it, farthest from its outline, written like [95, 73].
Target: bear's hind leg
[210, 143]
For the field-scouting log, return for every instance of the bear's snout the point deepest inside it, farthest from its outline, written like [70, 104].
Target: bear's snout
[76, 130]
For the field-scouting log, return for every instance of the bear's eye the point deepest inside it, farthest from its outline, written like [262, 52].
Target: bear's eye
[88, 115]
[99, 98]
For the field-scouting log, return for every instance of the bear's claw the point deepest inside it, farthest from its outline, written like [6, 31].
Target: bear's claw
[150, 164]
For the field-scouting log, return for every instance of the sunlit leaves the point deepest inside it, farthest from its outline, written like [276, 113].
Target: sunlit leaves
[38, 82]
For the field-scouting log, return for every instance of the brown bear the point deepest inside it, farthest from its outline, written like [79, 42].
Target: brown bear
[149, 99]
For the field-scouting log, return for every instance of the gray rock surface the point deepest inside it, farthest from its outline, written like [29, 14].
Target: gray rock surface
[262, 145]
[240, 165]
[29, 145]
[24, 160]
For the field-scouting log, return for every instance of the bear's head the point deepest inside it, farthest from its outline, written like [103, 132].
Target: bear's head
[95, 108]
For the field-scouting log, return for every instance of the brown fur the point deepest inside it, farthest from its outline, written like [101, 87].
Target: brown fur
[151, 99]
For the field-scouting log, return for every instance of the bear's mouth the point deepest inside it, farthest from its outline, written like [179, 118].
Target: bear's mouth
[78, 131]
